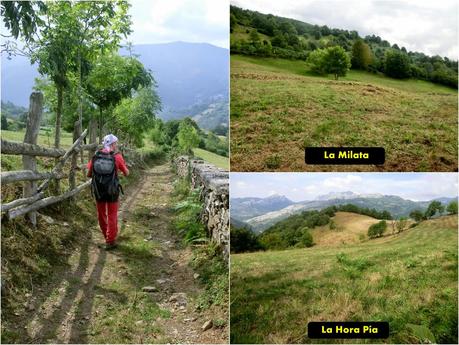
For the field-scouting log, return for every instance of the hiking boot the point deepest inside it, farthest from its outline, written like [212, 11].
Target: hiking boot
[107, 246]
[110, 246]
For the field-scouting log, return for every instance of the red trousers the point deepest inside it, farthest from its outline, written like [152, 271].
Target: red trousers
[107, 213]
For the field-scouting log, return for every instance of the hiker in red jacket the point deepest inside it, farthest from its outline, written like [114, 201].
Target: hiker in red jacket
[103, 168]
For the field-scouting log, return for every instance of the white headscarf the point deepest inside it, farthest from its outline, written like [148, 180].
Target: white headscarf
[108, 140]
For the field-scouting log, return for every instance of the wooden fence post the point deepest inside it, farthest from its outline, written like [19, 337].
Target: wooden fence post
[31, 136]
[92, 135]
[80, 128]
[72, 174]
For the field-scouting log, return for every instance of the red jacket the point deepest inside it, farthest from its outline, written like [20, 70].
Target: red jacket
[120, 164]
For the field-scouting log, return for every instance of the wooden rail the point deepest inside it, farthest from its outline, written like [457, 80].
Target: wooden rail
[34, 197]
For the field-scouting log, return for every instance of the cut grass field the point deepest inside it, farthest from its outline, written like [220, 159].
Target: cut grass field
[405, 279]
[277, 109]
[210, 157]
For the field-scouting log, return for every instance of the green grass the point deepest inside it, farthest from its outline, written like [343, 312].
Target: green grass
[45, 138]
[278, 108]
[14, 162]
[219, 161]
[405, 279]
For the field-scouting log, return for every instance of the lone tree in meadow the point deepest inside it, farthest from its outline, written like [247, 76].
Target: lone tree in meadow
[361, 55]
[396, 64]
[332, 60]
[452, 207]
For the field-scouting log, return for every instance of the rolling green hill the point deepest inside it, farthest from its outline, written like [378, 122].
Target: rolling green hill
[257, 34]
[406, 279]
[277, 109]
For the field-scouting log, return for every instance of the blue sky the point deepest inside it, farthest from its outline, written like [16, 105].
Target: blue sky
[419, 25]
[307, 186]
[161, 21]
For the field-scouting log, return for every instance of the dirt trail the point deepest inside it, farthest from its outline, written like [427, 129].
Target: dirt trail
[99, 297]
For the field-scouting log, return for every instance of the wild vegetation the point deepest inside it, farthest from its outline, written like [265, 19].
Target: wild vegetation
[184, 136]
[408, 279]
[207, 259]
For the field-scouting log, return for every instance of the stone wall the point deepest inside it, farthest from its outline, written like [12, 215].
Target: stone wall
[214, 186]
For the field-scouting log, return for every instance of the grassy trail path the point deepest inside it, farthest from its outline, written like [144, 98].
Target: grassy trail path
[99, 297]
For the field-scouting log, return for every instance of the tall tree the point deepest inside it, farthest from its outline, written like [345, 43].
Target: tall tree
[134, 116]
[61, 36]
[113, 78]
[188, 136]
[434, 207]
[361, 55]
[332, 60]
[21, 20]
[396, 64]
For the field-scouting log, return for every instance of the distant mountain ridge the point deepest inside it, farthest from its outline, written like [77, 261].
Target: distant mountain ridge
[396, 205]
[246, 208]
[193, 80]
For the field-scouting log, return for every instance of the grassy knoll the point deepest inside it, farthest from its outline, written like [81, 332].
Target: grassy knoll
[410, 278]
[277, 109]
[350, 228]
[219, 161]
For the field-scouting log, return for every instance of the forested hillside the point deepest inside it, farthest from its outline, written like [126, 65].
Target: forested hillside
[266, 35]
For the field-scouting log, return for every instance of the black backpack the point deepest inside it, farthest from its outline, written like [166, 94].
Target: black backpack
[105, 185]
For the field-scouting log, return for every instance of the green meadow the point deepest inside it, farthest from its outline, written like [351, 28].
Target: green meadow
[213, 158]
[278, 108]
[409, 280]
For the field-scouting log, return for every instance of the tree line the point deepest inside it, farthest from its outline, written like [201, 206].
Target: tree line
[400, 225]
[294, 231]
[273, 36]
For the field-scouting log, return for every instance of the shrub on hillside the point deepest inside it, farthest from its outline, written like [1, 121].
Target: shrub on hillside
[376, 230]
[243, 240]
[452, 207]
[305, 239]
[397, 64]
[417, 215]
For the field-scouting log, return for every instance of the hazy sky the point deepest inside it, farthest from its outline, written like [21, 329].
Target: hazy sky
[307, 186]
[419, 25]
[161, 21]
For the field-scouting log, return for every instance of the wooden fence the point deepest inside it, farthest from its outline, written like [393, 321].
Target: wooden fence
[33, 195]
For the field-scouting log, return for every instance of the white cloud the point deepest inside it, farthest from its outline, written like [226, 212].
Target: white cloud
[342, 183]
[180, 20]
[308, 186]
